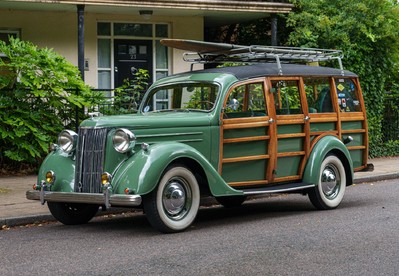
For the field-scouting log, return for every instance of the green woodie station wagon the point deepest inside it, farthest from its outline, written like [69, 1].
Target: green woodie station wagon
[225, 132]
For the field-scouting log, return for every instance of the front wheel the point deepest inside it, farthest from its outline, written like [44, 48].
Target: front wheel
[72, 213]
[330, 190]
[173, 205]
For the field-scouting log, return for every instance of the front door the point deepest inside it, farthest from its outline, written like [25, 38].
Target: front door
[131, 55]
[246, 148]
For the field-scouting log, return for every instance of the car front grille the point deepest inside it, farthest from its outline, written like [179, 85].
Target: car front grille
[90, 159]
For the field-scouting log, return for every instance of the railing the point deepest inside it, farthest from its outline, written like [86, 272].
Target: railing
[390, 121]
[124, 104]
[110, 104]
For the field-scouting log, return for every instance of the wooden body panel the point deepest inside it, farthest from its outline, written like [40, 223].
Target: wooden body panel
[282, 143]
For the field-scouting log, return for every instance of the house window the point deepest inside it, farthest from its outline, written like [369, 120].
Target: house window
[5, 34]
[108, 35]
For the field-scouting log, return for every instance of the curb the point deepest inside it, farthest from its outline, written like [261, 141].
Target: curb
[34, 219]
[375, 178]
[31, 219]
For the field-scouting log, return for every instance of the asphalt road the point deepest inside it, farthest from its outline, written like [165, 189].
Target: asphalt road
[282, 235]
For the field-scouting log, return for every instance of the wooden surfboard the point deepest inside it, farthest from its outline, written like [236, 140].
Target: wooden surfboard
[202, 47]
[223, 52]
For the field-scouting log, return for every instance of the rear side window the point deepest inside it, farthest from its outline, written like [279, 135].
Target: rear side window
[348, 100]
[318, 95]
[247, 100]
[287, 99]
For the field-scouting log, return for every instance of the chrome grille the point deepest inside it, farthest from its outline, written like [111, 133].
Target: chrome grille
[90, 160]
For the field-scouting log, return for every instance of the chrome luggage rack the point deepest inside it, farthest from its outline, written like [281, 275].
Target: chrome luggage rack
[257, 53]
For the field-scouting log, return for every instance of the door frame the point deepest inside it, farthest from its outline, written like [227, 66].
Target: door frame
[302, 119]
[247, 123]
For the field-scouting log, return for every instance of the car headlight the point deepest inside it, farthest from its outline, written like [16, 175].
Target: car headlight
[123, 140]
[67, 140]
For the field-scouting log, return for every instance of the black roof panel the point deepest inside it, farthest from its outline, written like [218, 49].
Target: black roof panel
[271, 69]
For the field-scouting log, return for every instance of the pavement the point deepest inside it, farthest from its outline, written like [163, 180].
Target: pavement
[16, 210]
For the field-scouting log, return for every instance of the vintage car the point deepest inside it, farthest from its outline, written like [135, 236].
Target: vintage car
[227, 132]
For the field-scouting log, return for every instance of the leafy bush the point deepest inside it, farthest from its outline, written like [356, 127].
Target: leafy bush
[39, 94]
[128, 96]
[368, 33]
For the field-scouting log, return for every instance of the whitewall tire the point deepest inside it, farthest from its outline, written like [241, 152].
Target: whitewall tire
[330, 188]
[173, 205]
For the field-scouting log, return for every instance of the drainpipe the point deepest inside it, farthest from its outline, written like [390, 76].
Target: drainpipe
[81, 40]
[274, 30]
[81, 53]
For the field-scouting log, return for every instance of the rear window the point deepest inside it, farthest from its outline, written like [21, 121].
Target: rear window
[347, 93]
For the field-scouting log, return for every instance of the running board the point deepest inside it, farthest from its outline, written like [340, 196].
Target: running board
[278, 188]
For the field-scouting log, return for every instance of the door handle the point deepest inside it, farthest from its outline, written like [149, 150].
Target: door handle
[116, 69]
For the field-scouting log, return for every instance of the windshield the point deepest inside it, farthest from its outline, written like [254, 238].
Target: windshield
[177, 97]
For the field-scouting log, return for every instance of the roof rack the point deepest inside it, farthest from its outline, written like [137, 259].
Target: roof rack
[256, 53]
[210, 52]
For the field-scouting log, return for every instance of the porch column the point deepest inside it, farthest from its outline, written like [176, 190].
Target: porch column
[274, 30]
[81, 40]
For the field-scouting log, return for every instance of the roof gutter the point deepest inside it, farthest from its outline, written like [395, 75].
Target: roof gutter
[208, 5]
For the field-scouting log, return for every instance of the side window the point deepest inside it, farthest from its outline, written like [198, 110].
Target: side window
[318, 95]
[348, 100]
[247, 100]
[287, 99]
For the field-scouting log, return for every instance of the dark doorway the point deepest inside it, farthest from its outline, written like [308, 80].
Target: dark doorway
[131, 55]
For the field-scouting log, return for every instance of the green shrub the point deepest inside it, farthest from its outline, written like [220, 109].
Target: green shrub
[39, 94]
[368, 33]
[128, 96]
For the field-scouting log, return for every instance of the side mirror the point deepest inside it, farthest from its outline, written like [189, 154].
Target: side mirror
[234, 104]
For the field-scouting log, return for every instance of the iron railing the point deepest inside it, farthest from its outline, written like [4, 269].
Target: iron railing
[390, 121]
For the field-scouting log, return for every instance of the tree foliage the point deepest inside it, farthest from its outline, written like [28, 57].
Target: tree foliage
[39, 93]
[368, 33]
[127, 97]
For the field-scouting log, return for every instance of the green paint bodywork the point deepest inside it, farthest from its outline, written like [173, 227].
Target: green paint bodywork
[170, 135]
[63, 167]
[326, 145]
[143, 170]
[195, 136]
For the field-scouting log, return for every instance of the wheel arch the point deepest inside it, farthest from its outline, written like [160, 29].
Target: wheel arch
[142, 172]
[198, 172]
[347, 165]
[326, 146]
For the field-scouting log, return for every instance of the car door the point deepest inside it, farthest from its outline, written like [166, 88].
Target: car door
[245, 143]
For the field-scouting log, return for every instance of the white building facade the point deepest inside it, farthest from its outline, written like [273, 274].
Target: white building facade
[110, 39]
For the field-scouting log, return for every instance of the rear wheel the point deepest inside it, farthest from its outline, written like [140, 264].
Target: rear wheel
[72, 213]
[330, 190]
[173, 205]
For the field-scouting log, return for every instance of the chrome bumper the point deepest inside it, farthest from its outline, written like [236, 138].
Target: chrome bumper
[100, 199]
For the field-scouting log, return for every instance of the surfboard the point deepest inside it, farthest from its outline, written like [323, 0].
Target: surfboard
[201, 51]
[202, 47]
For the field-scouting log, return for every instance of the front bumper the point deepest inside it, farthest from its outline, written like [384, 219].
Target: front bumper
[99, 199]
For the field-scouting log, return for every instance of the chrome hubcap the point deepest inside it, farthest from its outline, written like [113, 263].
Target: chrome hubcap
[330, 181]
[176, 198]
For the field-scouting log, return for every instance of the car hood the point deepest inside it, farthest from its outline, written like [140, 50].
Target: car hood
[151, 120]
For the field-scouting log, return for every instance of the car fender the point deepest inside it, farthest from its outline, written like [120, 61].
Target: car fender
[64, 171]
[327, 144]
[143, 170]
